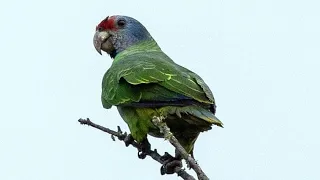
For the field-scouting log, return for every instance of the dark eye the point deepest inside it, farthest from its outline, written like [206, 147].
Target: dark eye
[121, 23]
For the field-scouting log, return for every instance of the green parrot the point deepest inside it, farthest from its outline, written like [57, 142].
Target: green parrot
[144, 82]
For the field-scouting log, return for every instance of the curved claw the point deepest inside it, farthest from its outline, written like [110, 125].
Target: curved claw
[142, 155]
[170, 165]
[145, 148]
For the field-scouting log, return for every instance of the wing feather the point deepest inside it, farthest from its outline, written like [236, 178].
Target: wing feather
[124, 80]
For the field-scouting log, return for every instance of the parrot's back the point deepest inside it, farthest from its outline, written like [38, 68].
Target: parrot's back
[144, 84]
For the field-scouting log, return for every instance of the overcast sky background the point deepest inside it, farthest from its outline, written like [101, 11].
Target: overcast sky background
[260, 58]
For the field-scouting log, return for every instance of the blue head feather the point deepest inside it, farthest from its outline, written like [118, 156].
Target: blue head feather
[132, 32]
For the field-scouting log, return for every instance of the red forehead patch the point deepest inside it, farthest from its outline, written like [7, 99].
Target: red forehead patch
[107, 23]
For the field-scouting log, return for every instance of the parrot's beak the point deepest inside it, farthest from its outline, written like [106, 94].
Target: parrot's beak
[99, 38]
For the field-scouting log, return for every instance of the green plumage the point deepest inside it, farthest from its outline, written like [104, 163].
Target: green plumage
[144, 82]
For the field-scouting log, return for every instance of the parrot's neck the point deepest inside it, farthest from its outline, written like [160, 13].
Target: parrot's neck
[144, 46]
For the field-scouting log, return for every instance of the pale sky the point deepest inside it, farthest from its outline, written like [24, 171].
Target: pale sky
[260, 58]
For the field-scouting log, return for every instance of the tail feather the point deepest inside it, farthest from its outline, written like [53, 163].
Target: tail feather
[187, 122]
[197, 111]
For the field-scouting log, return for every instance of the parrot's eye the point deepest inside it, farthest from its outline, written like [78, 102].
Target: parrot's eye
[121, 23]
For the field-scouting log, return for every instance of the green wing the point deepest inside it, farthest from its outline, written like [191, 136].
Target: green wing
[153, 70]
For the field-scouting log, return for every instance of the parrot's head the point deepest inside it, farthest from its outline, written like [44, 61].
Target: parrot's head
[116, 33]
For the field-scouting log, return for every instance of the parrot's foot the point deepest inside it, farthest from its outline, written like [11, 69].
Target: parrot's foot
[128, 140]
[145, 148]
[170, 164]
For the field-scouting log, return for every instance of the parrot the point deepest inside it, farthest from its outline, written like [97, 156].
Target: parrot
[143, 82]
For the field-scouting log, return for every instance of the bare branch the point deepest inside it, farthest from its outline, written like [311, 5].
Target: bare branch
[158, 121]
[122, 136]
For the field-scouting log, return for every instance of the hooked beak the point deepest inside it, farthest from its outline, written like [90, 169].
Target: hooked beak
[99, 38]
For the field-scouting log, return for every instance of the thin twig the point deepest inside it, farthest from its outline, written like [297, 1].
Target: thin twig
[152, 153]
[158, 121]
